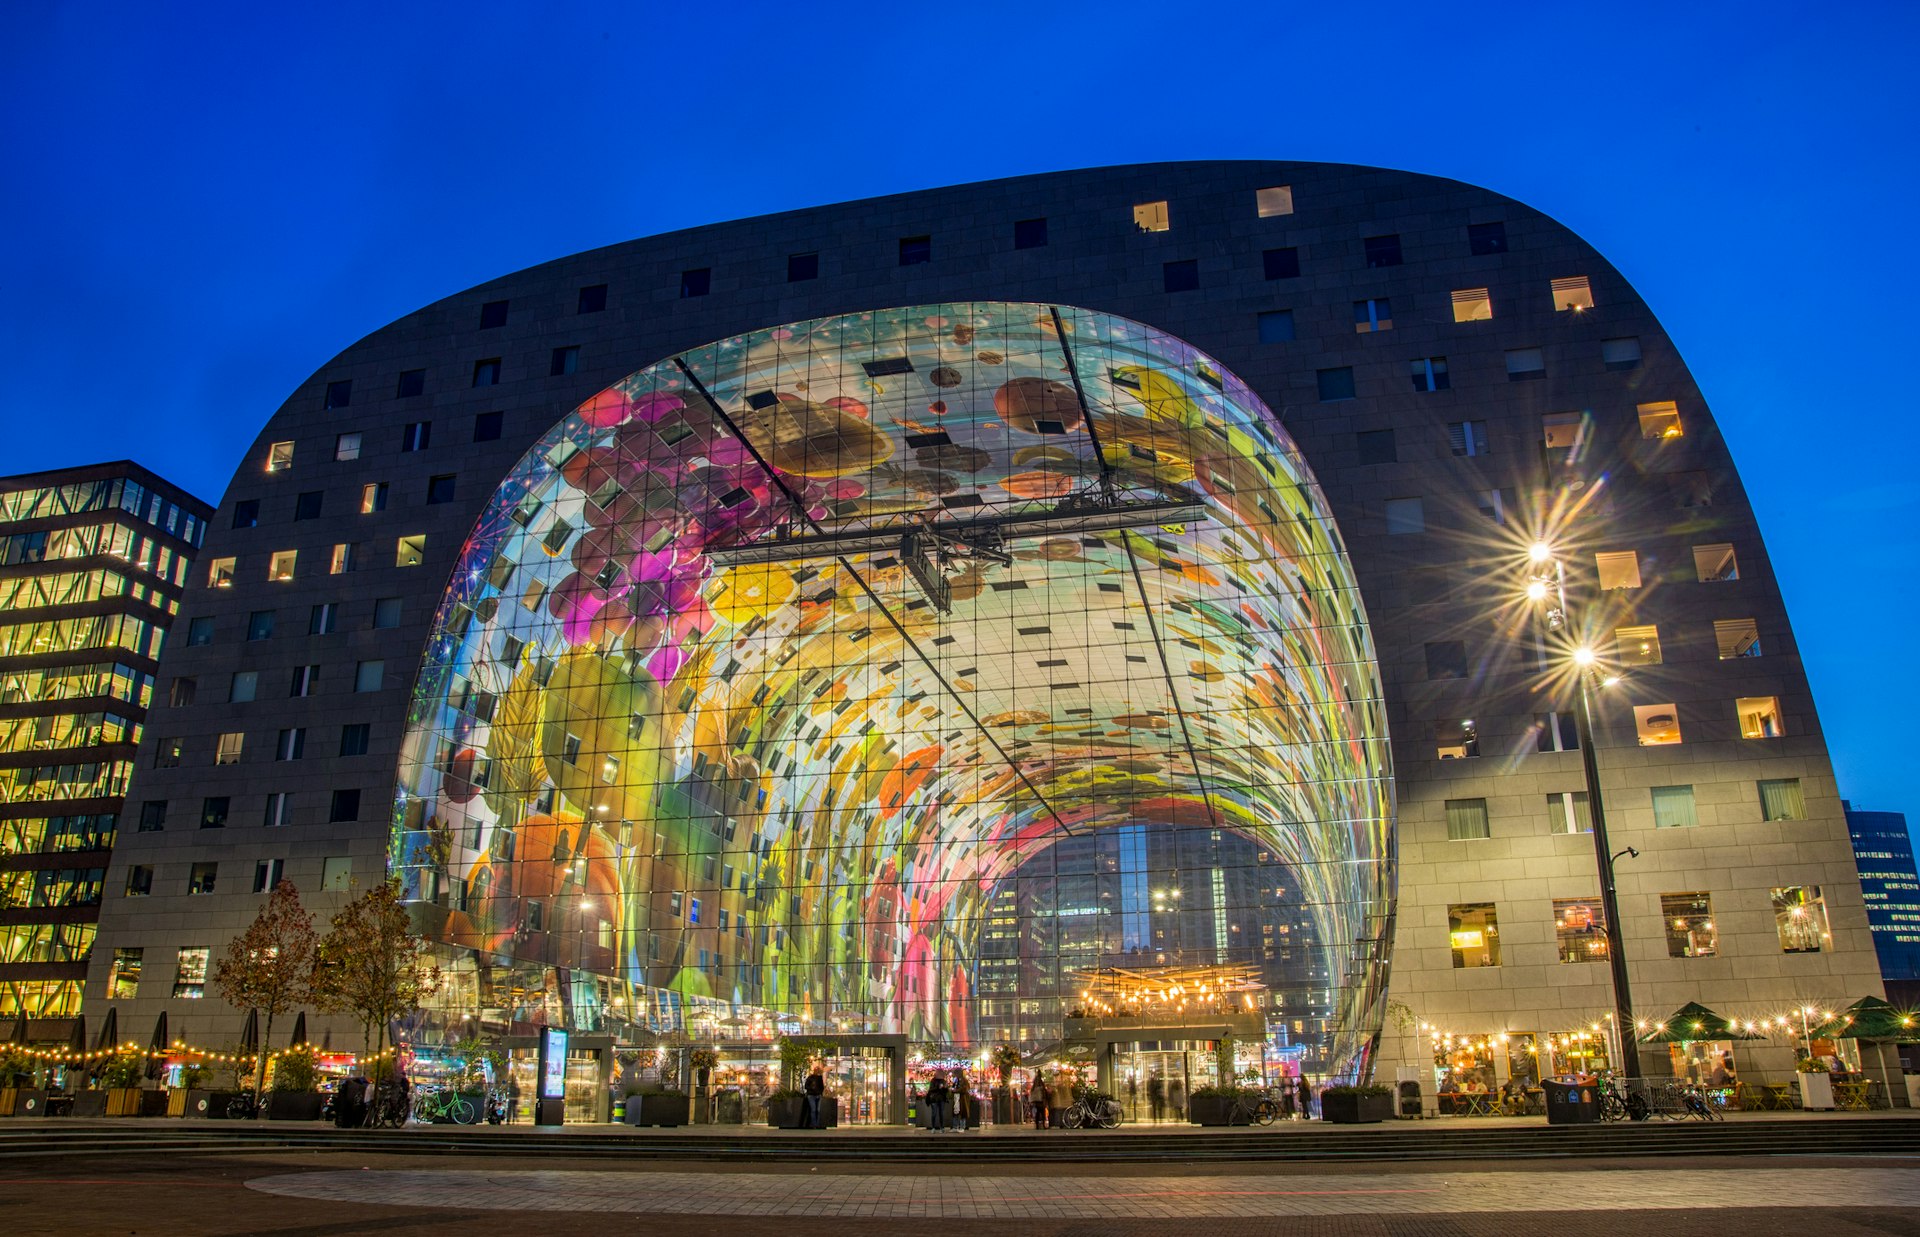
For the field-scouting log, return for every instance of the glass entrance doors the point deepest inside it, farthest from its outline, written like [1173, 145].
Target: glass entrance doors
[1153, 1078]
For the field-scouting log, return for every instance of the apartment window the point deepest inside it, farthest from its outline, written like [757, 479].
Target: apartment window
[346, 555]
[1335, 383]
[292, 744]
[228, 748]
[1715, 564]
[368, 675]
[153, 816]
[1473, 930]
[1029, 233]
[493, 314]
[1467, 437]
[486, 426]
[169, 753]
[323, 618]
[1572, 294]
[1181, 276]
[1456, 740]
[353, 739]
[278, 811]
[1689, 921]
[413, 382]
[1564, 431]
[260, 625]
[180, 692]
[440, 488]
[1382, 251]
[1690, 489]
[1281, 263]
[246, 513]
[1637, 645]
[802, 267]
[1618, 569]
[1567, 812]
[1276, 326]
[1467, 820]
[339, 394]
[1406, 515]
[344, 806]
[123, 984]
[280, 566]
[1674, 808]
[279, 457]
[1800, 917]
[410, 551]
[1759, 717]
[373, 497]
[915, 249]
[415, 435]
[243, 687]
[336, 874]
[1486, 239]
[695, 282]
[1622, 353]
[1660, 420]
[199, 631]
[1151, 217]
[592, 299]
[1371, 315]
[220, 572]
[1525, 363]
[213, 812]
[305, 678]
[1472, 305]
[1494, 504]
[190, 973]
[487, 373]
[1555, 732]
[1376, 446]
[1446, 659]
[564, 361]
[1580, 929]
[346, 446]
[1736, 638]
[1430, 374]
[386, 613]
[1273, 200]
[266, 874]
[1656, 724]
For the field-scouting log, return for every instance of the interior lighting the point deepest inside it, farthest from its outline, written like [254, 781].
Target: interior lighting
[1540, 552]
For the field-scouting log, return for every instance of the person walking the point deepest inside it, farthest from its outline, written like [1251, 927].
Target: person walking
[1176, 1101]
[1304, 1090]
[1157, 1097]
[1037, 1100]
[815, 1089]
[937, 1098]
[1059, 1098]
[513, 1095]
[962, 1102]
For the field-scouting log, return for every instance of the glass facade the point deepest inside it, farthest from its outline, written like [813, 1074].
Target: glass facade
[943, 671]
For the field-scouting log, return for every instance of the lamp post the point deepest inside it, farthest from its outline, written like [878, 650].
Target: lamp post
[1549, 580]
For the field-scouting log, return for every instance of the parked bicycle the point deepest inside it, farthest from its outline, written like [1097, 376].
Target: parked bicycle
[442, 1105]
[1254, 1108]
[244, 1106]
[1092, 1111]
[1620, 1104]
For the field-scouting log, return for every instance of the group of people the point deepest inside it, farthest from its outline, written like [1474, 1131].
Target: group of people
[1048, 1098]
[950, 1106]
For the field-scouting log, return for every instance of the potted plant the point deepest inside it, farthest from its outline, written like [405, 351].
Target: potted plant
[121, 1076]
[1005, 1058]
[16, 1078]
[1361, 1104]
[193, 1077]
[1212, 1104]
[651, 1103]
[296, 1086]
[1816, 1084]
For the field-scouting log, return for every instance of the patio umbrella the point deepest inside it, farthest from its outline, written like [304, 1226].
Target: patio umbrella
[20, 1030]
[250, 1033]
[109, 1036]
[1871, 1018]
[1695, 1023]
[77, 1036]
[158, 1045]
[299, 1030]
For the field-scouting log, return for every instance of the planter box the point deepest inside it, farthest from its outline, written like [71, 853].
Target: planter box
[28, 1102]
[786, 1113]
[125, 1102]
[1004, 1112]
[294, 1105]
[659, 1110]
[90, 1104]
[1209, 1109]
[7, 1097]
[211, 1105]
[1816, 1091]
[1355, 1109]
[177, 1102]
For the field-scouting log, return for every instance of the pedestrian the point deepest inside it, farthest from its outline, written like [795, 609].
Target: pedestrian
[937, 1097]
[1133, 1098]
[1305, 1093]
[513, 1095]
[1059, 1098]
[816, 1090]
[1176, 1100]
[1157, 1097]
[962, 1102]
[1037, 1100]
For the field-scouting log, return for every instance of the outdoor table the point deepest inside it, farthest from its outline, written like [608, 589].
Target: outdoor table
[1466, 1103]
[1852, 1096]
[1778, 1096]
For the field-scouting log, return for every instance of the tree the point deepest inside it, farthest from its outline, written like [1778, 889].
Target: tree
[372, 965]
[269, 967]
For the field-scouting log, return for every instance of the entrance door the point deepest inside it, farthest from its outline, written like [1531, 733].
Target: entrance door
[862, 1080]
[1152, 1079]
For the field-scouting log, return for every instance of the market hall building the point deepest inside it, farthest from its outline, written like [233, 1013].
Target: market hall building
[1082, 608]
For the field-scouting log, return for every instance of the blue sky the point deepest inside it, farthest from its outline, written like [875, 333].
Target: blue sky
[201, 206]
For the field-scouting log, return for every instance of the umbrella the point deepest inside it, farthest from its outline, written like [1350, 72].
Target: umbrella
[158, 1044]
[20, 1029]
[299, 1029]
[1693, 1023]
[1871, 1018]
[250, 1034]
[109, 1031]
[77, 1037]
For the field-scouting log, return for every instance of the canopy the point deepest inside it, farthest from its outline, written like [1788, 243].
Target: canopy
[1693, 1023]
[1871, 1018]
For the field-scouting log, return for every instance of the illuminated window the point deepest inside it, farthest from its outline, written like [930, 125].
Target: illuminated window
[346, 446]
[410, 551]
[344, 806]
[1376, 446]
[1567, 812]
[246, 513]
[280, 566]
[1181, 276]
[915, 250]
[190, 975]
[345, 558]
[695, 282]
[336, 874]
[1800, 917]
[1572, 293]
[1274, 200]
[373, 497]
[1580, 929]
[1467, 437]
[1447, 659]
[1618, 569]
[1280, 263]
[1555, 732]
[1486, 239]
[229, 747]
[487, 373]
[220, 573]
[1660, 420]
[413, 382]
[1673, 807]
[802, 267]
[1373, 314]
[1622, 353]
[1151, 217]
[1472, 305]
[1637, 646]
[1715, 564]
[280, 457]
[244, 686]
[1473, 932]
[1656, 724]
[493, 314]
[1430, 374]
[415, 435]
[1689, 920]
[1276, 326]
[123, 984]
[592, 299]
[1564, 431]
[1029, 233]
[1336, 384]
[369, 675]
[1382, 251]
[1525, 363]
[564, 361]
[1737, 638]
[339, 394]
[1467, 820]
[1406, 515]
[1759, 717]
[1456, 740]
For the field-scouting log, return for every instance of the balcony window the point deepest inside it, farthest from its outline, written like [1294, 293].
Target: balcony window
[410, 551]
[346, 447]
[280, 566]
[280, 457]
[1456, 740]
[220, 573]
[1618, 569]
[227, 751]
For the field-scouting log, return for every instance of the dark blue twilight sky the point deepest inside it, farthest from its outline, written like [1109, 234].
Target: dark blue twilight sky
[202, 203]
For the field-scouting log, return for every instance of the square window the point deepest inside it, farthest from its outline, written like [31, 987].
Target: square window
[190, 976]
[487, 373]
[1622, 353]
[267, 874]
[229, 747]
[199, 631]
[168, 757]
[1564, 431]
[245, 684]
[306, 506]
[1759, 717]
[1406, 515]
[279, 457]
[1580, 929]
[1673, 807]
[353, 739]
[291, 744]
[1382, 251]
[1690, 490]
[1375, 446]
[139, 880]
[153, 816]
[487, 425]
[1567, 812]
[124, 982]
[1371, 315]
[280, 566]
[1689, 920]
[305, 679]
[1467, 437]
[1335, 383]
[592, 299]
[413, 382]
[373, 497]
[1486, 239]
[1430, 374]
[696, 282]
[1617, 569]
[1472, 305]
[1276, 326]
[915, 250]
[246, 513]
[493, 314]
[1800, 917]
[1473, 931]
[180, 692]
[1446, 659]
[440, 488]
[260, 625]
[279, 810]
[323, 618]
[1281, 263]
[1456, 740]
[564, 361]
[346, 556]
[346, 446]
[213, 812]
[1660, 420]
[1555, 732]
[339, 394]
[802, 267]
[1656, 724]
[416, 435]
[1637, 646]
[1525, 363]
[410, 551]
[386, 612]
[1151, 217]
[1494, 504]
[1274, 200]
[1736, 638]
[345, 805]
[1180, 276]
[1715, 564]
[1572, 294]
[1029, 233]
[368, 675]
[336, 874]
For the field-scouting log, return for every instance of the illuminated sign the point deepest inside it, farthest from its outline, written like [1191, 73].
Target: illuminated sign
[553, 1063]
[1468, 938]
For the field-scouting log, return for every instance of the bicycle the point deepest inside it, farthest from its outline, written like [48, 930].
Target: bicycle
[243, 1107]
[444, 1106]
[1092, 1112]
[1262, 1109]
[1618, 1105]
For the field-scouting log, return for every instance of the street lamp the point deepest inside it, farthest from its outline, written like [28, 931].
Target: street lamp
[1548, 582]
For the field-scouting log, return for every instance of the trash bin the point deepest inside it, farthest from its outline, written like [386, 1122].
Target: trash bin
[1411, 1105]
[1572, 1103]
